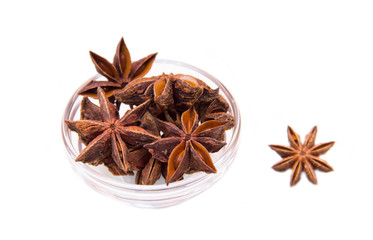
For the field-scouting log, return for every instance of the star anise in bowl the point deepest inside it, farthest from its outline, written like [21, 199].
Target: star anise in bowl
[186, 149]
[177, 133]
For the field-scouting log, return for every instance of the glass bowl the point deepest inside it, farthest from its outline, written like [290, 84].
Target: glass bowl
[158, 195]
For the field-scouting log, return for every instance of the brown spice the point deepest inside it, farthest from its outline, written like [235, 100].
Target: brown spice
[150, 174]
[174, 123]
[110, 136]
[302, 157]
[119, 73]
[187, 149]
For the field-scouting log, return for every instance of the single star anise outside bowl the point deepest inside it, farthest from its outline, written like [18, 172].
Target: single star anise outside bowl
[158, 195]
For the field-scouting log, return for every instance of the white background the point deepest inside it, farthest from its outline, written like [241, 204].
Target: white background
[297, 63]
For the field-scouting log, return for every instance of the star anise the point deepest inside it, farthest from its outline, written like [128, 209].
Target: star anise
[187, 149]
[151, 172]
[302, 157]
[159, 88]
[118, 73]
[171, 94]
[215, 110]
[140, 160]
[137, 157]
[188, 90]
[109, 137]
[167, 89]
[178, 121]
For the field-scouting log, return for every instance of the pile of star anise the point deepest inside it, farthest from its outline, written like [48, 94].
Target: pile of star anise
[174, 121]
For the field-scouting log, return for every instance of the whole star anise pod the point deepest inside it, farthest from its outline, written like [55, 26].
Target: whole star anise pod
[137, 157]
[302, 157]
[108, 138]
[187, 149]
[158, 88]
[118, 73]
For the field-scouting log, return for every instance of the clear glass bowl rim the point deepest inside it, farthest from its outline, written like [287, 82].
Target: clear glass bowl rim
[193, 179]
